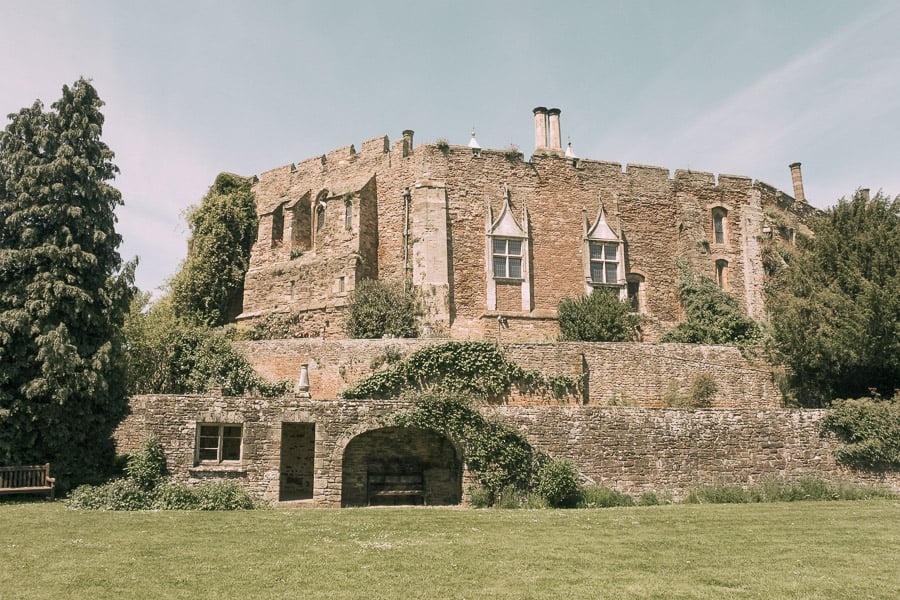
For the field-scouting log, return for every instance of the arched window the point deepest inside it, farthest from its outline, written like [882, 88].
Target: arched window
[722, 273]
[636, 292]
[348, 214]
[720, 225]
[320, 217]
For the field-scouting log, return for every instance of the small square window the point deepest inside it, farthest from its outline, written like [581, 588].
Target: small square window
[219, 443]
[604, 262]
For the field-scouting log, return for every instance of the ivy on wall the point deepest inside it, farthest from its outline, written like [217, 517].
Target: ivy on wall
[476, 368]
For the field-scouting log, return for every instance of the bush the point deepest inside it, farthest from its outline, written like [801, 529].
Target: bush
[147, 466]
[558, 483]
[597, 317]
[703, 388]
[223, 495]
[119, 494]
[713, 316]
[598, 496]
[480, 497]
[650, 499]
[377, 309]
[718, 494]
[171, 495]
[870, 428]
[778, 490]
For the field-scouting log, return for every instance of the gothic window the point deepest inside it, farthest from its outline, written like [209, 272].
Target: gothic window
[320, 217]
[507, 255]
[636, 288]
[278, 225]
[722, 273]
[348, 214]
[720, 225]
[604, 262]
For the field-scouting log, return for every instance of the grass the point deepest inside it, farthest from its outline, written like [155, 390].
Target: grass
[780, 550]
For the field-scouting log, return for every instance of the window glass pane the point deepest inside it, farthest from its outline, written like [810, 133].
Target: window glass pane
[596, 251]
[231, 449]
[209, 431]
[515, 267]
[209, 454]
[597, 272]
[612, 275]
[499, 246]
[515, 247]
[499, 267]
[231, 431]
[611, 251]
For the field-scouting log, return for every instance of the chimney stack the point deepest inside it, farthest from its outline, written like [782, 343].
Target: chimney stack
[407, 141]
[555, 137]
[540, 128]
[797, 179]
[864, 192]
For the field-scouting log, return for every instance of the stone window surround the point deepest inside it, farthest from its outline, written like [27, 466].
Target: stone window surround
[220, 449]
[722, 273]
[508, 228]
[718, 216]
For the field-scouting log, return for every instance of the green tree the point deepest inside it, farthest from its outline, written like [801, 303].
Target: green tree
[377, 309]
[63, 289]
[712, 315]
[597, 317]
[168, 355]
[209, 288]
[835, 309]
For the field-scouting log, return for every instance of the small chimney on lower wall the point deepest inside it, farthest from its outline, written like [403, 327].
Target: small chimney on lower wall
[797, 179]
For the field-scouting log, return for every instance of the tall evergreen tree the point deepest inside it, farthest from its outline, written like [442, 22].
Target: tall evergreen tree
[209, 288]
[63, 289]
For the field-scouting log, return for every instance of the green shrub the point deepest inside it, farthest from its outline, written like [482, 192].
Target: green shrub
[598, 496]
[718, 494]
[172, 495]
[598, 317]
[223, 495]
[480, 497]
[870, 429]
[274, 326]
[713, 316]
[147, 466]
[377, 309]
[118, 494]
[558, 483]
[650, 499]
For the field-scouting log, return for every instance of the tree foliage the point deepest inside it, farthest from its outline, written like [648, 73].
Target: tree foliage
[870, 428]
[378, 309]
[835, 309]
[712, 315]
[598, 317]
[63, 289]
[168, 355]
[209, 287]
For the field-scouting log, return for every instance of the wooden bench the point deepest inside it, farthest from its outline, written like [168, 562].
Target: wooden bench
[393, 485]
[27, 480]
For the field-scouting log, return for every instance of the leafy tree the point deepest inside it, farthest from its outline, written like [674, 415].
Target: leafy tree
[63, 289]
[835, 309]
[712, 315]
[379, 309]
[168, 355]
[209, 288]
[597, 317]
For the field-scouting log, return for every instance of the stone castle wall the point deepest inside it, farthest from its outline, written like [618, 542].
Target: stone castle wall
[626, 374]
[630, 449]
[422, 214]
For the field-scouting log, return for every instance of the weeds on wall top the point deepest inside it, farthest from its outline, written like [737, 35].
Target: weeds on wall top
[476, 368]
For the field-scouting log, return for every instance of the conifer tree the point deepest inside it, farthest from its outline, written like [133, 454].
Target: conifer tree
[63, 289]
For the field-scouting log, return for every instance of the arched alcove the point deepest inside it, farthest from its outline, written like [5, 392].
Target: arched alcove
[398, 465]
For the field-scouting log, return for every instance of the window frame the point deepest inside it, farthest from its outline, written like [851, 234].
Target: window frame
[722, 273]
[506, 256]
[220, 447]
[348, 214]
[719, 225]
[603, 261]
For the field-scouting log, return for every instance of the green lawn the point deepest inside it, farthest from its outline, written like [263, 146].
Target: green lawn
[783, 550]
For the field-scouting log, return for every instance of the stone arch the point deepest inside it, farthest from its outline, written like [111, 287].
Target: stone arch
[399, 465]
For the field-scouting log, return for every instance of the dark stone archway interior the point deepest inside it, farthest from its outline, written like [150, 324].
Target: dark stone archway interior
[396, 465]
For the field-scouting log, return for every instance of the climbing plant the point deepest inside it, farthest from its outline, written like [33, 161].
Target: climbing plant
[497, 454]
[477, 368]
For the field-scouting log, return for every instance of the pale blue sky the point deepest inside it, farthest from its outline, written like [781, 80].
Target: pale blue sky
[195, 88]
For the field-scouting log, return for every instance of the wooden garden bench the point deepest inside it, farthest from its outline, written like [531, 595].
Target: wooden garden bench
[27, 480]
[397, 485]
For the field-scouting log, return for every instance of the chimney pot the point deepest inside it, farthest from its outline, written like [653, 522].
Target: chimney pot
[797, 179]
[540, 128]
[555, 137]
[407, 141]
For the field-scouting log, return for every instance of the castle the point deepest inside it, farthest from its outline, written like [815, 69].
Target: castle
[492, 242]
